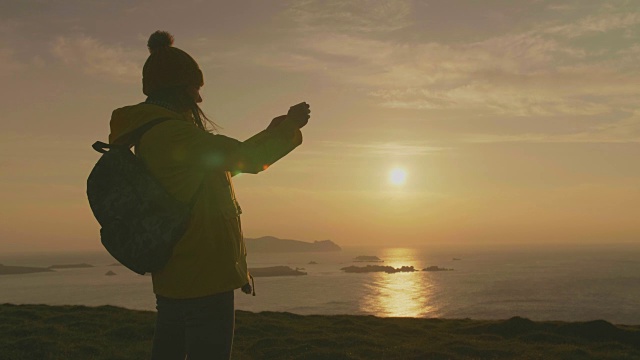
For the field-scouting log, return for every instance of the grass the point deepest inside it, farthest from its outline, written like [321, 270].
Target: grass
[76, 332]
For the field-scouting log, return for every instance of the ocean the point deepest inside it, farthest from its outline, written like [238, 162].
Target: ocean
[571, 283]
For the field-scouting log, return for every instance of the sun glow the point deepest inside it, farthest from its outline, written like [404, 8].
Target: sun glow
[398, 176]
[401, 294]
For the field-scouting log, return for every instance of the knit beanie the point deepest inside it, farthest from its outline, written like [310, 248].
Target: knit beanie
[168, 66]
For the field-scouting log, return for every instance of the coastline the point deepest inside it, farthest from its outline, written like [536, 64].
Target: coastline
[108, 332]
[541, 286]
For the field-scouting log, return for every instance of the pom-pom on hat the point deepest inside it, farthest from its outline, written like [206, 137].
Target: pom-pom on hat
[168, 66]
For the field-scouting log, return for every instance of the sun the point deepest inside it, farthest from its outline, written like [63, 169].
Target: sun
[398, 176]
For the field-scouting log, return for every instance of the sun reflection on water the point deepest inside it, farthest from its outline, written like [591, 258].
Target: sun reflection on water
[399, 294]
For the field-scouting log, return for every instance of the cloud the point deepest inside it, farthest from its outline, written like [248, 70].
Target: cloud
[544, 69]
[324, 34]
[561, 7]
[384, 148]
[520, 96]
[625, 130]
[521, 74]
[539, 71]
[600, 23]
[355, 16]
[96, 58]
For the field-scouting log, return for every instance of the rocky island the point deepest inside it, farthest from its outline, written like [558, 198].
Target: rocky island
[71, 266]
[15, 270]
[377, 268]
[436, 268]
[274, 244]
[275, 271]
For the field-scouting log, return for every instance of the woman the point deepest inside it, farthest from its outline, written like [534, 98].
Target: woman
[194, 292]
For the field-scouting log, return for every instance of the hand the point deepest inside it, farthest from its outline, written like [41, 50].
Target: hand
[300, 114]
[276, 121]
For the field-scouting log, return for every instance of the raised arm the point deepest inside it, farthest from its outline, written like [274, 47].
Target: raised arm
[260, 151]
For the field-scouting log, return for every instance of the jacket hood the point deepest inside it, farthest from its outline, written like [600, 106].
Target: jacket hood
[126, 120]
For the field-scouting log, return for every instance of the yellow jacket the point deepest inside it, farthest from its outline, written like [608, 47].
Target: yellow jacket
[211, 256]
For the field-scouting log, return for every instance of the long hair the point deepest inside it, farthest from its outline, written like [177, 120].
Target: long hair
[178, 99]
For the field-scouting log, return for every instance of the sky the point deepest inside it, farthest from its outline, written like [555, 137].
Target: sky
[515, 122]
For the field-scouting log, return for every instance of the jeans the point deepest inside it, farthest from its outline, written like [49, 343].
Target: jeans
[200, 328]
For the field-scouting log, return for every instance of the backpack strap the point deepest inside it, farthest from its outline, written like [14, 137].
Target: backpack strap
[137, 134]
[196, 195]
[102, 148]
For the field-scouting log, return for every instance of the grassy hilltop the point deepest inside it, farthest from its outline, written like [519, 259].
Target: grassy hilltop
[76, 332]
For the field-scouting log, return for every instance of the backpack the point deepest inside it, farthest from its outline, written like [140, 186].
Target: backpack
[141, 222]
